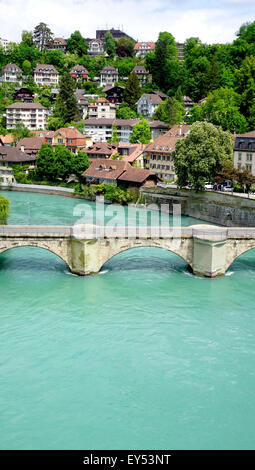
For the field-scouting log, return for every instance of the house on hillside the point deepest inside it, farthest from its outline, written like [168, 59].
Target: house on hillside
[102, 108]
[33, 115]
[45, 74]
[30, 145]
[23, 94]
[10, 156]
[142, 74]
[158, 154]
[58, 44]
[147, 104]
[108, 76]
[142, 48]
[96, 47]
[11, 73]
[244, 151]
[114, 94]
[70, 137]
[79, 72]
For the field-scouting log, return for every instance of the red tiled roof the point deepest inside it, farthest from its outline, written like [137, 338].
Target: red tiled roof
[108, 169]
[166, 143]
[136, 175]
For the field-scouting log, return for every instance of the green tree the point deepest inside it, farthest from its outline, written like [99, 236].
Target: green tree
[141, 133]
[27, 37]
[170, 111]
[247, 32]
[66, 107]
[132, 91]
[4, 210]
[222, 108]
[76, 44]
[125, 112]
[165, 51]
[20, 131]
[110, 44]
[45, 163]
[27, 67]
[199, 156]
[42, 36]
[62, 162]
[115, 136]
[125, 47]
[79, 163]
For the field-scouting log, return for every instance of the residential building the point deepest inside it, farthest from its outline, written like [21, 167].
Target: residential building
[58, 44]
[30, 145]
[132, 153]
[33, 115]
[67, 136]
[142, 48]
[79, 72]
[101, 130]
[23, 94]
[116, 33]
[102, 108]
[244, 151]
[158, 154]
[96, 47]
[11, 73]
[141, 73]
[4, 44]
[114, 94]
[118, 172]
[188, 103]
[109, 76]
[147, 104]
[45, 74]
[6, 140]
[8, 156]
[180, 47]
[101, 150]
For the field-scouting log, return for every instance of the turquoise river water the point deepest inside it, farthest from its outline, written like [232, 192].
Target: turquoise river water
[143, 355]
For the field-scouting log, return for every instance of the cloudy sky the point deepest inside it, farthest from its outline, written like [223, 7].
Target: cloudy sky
[211, 20]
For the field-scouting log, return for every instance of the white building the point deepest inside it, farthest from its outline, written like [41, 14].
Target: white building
[147, 104]
[142, 48]
[102, 108]
[11, 73]
[32, 115]
[109, 76]
[45, 74]
[4, 44]
[96, 47]
[244, 151]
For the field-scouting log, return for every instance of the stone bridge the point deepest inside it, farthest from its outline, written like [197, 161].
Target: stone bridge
[208, 250]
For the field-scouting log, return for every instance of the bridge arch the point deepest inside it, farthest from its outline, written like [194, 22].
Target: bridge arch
[236, 248]
[183, 249]
[40, 244]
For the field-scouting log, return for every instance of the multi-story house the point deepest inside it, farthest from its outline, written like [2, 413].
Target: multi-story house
[101, 130]
[8, 157]
[102, 108]
[96, 47]
[244, 151]
[58, 44]
[67, 136]
[147, 104]
[79, 72]
[142, 48]
[23, 94]
[32, 115]
[4, 44]
[114, 94]
[141, 73]
[45, 74]
[109, 76]
[11, 73]
[158, 154]
[83, 103]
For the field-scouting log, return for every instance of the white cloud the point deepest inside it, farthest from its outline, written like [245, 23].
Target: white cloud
[141, 19]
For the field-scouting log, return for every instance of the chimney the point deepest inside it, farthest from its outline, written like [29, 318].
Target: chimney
[22, 148]
[180, 129]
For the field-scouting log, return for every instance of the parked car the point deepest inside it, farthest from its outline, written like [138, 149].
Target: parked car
[208, 185]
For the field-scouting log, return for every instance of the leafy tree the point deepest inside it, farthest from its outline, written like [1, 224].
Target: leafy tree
[66, 107]
[76, 44]
[45, 163]
[165, 50]
[125, 112]
[170, 111]
[245, 85]
[247, 32]
[222, 108]
[79, 163]
[132, 91]
[62, 162]
[27, 37]
[125, 47]
[141, 133]
[4, 209]
[42, 36]
[115, 136]
[20, 131]
[200, 155]
[110, 44]
[54, 123]
[27, 67]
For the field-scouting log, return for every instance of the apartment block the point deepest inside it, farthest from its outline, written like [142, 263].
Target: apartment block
[32, 115]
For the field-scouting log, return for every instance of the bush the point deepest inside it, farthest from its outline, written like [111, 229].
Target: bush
[4, 210]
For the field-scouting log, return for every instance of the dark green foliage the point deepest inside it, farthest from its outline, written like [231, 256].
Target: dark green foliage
[199, 157]
[79, 164]
[125, 112]
[42, 36]
[110, 44]
[76, 44]
[4, 209]
[132, 91]
[66, 107]
[170, 111]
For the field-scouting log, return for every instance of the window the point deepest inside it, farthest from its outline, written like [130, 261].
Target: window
[60, 141]
[248, 167]
[249, 157]
[239, 156]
